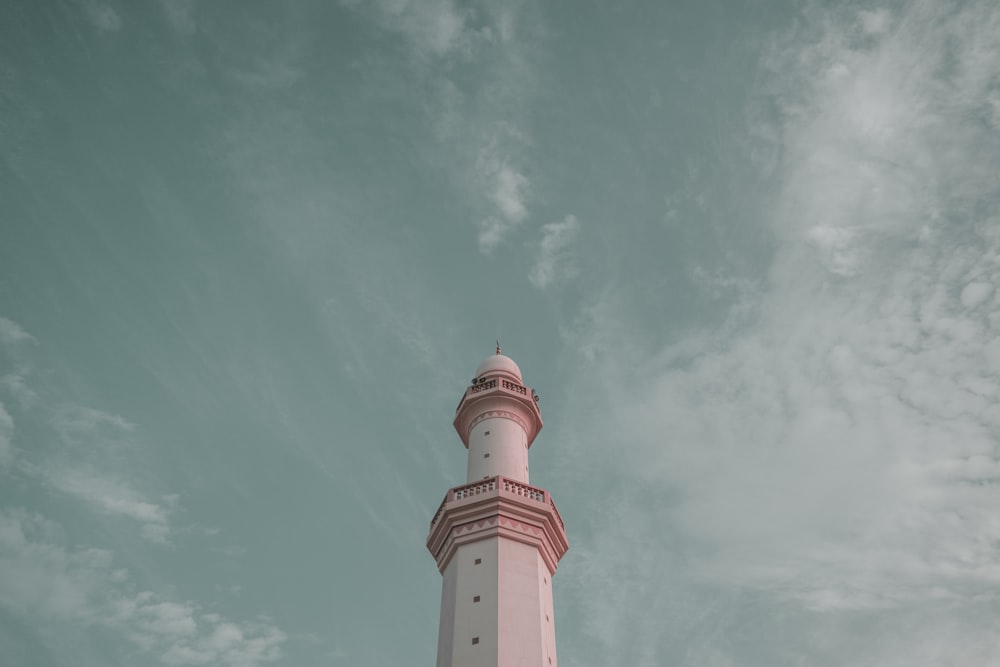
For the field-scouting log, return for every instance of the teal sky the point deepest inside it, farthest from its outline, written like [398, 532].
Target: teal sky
[748, 254]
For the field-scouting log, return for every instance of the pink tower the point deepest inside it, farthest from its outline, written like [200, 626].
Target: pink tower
[497, 540]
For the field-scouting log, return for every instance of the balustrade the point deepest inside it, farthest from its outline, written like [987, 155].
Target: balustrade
[483, 386]
[474, 489]
[513, 386]
[524, 490]
[489, 485]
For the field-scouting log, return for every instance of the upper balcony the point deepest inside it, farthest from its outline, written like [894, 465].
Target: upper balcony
[497, 507]
[493, 393]
[497, 486]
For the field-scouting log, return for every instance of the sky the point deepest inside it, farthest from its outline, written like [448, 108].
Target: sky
[748, 254]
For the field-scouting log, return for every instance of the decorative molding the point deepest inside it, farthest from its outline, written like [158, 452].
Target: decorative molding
[503, 512]
[507, 400]
[502, 414]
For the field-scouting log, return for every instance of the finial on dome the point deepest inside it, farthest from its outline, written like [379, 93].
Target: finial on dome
[498, 346]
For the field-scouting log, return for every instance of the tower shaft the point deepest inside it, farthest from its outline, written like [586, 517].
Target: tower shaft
[497, 540]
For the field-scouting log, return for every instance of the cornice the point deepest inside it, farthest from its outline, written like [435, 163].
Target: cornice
[503, 414]
[511, 513]
[507, 399]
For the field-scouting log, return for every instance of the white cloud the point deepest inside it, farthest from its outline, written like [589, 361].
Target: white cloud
[491, 232]
[433, 27]
[11, 332]
[874, 22]
[836, 451]
[39, 577]
[6, 435]
[493, 40]
[102, 15]
[76, 422]
[554, 261]
[180, 14]
[509, 191]
[505, 187]
[15, 384]
[116, 498]
[976, 293]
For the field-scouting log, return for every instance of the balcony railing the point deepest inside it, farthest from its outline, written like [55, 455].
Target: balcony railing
[483, 386]
[515, 387]
[491, 485]
[505, 386]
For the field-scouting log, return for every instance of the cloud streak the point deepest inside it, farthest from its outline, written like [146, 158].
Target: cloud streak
[6, 436]
[114, 497]
[833, 447]
[506, 188]
[554, 261]
[41, 577]
[11, 332]
[479, 123]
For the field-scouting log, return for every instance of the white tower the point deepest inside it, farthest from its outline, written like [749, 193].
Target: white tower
[497, 540]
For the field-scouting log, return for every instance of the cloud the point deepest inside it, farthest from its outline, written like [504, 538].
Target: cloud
[115, 498]
[432, 27]
[11, 332]
[180, 15]
[554, 261]
[874, 22]
[505, 187]
[833, 451]
[76, 422]
[6, 435]
[496, 43]
[102, 16]
[41, 577]
[15, 385]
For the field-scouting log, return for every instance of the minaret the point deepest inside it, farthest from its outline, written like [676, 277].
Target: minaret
[497, 540]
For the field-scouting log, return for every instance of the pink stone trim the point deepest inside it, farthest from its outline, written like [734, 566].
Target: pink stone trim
[503, 398]
[503, 414]
[500, 507]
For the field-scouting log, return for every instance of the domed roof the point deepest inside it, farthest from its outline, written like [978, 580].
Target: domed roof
[499, 362]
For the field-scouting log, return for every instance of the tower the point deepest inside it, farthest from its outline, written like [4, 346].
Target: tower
[497, 540]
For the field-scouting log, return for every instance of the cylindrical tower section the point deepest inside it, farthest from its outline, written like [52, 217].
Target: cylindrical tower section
[498, 446]
[497, 420]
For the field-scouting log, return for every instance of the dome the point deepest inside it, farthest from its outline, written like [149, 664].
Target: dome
[499, 362]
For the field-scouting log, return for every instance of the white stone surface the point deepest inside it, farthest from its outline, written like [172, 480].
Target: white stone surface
[505, 442]
[513, 618]
[512, 529]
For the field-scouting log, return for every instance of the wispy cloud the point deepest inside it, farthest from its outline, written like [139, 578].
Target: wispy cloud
[554, 261]
[116, 498]
[84, 433]
[506, 188]
[102, 15]
[40, 576]
[11, 332]
[433, 27]
[490, 39]
[6, 436]
[16, 385]
[835, 450]
[78, 422]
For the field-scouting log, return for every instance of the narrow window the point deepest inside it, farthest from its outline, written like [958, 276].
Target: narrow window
[475, 598]
[478, 561]
[475, 640]
[487, 433]
[486, 455]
